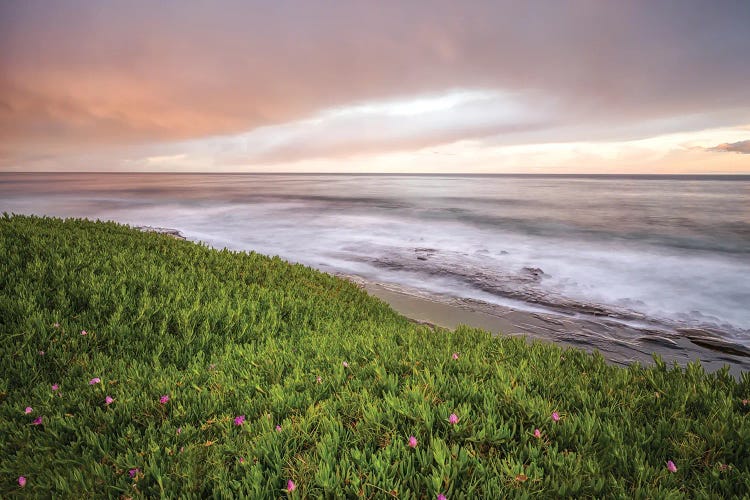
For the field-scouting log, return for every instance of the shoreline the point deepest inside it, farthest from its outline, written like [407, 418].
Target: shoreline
[619, 343]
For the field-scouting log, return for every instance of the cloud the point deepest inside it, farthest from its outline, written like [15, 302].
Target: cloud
[385, 126]
[742, 147]
[78, 76]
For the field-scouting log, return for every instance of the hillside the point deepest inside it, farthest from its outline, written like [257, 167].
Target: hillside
[152, 365]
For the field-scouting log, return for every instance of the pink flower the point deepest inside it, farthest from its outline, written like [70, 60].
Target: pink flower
[132, 472]
[164, 399]
[318, 379]
[242, 460]
[290, 486]
[441, 497]
[182, 448]
[455, 355]
[345, 364]
[56, 325]
[41, 353]
[239, 420]
[21, 481]
[37, 421]
[278, 428]
[671, 467]
[412, 442]
[537, 433]
[94, 381]
[55, 387]
[555, 416]
[28, 410]
[84, 332]
[108, 400]
[179, 431]
[453, 419]
[745, 402]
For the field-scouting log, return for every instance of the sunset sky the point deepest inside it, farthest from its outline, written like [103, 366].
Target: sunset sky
[376, 86]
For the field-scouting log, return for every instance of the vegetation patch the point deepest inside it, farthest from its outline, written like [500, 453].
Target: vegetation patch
[135, 364]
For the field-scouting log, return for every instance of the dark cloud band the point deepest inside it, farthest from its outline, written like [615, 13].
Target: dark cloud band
[742, 147]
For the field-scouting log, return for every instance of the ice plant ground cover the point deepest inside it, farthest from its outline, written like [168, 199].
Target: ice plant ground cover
[227, 335]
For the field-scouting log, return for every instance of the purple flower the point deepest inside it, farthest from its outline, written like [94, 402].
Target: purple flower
[94, 381]
[55, 387]
[108, 400]
[441, 497]
[453, 419]
[671, 467]
[537, 433]
[242, 460]
[28, 410]
[239, 420]
[21, 481]
[555, 416]
[37, 421]
[455, 355]
[290, 486]
[164, 399]
[345, 364]
[132, 472]
[278, 428]
[84, 332]
[412, 442]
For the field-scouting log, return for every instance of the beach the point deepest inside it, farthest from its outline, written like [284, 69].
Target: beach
[619, 344]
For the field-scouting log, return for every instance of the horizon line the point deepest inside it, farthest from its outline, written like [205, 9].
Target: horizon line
[399, 174]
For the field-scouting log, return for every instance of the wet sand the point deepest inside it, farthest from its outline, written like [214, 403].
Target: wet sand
[618, 343]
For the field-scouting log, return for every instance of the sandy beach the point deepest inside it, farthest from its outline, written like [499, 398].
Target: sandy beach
[618, 343]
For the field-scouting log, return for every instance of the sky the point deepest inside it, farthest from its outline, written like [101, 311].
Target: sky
[571, 86]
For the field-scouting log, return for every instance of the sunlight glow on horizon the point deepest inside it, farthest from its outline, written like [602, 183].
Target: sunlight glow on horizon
[668, 153]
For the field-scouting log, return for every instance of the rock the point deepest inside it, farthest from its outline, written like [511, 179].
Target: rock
[174, 233]
[532, 273]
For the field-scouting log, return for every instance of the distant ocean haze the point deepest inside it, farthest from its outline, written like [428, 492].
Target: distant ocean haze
[671, 251]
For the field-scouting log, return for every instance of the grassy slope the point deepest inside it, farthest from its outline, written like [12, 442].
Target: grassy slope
[227, 334]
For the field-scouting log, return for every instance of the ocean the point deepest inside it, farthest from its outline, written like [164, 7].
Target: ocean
[667, 255]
